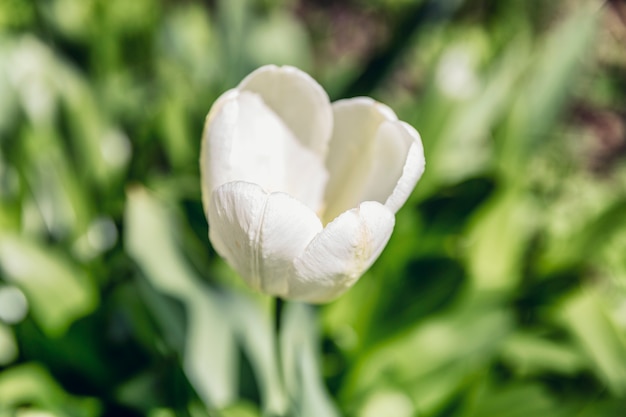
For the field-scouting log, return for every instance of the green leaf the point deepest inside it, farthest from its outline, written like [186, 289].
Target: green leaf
[240, 409]
[58, 290]
[8, 345]
[593, 235]
[547, 84]
[585, 316]
[209, 349]
[301, 363]
[497, 238]
[55, 204]
[258, 340]
[432, 360]
[531, 354]
[234, 18]
[459, 147]
[281, 40]
[520, 401]
[31, 384]
[103, 149]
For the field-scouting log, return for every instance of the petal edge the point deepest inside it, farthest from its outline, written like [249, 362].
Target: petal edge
[338, 256]
[260, 234]
[372, 157]
[298, 100]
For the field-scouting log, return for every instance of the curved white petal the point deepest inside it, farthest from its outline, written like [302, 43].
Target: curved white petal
[298, 100]
[244, 140]
[341, 253]
[412, 171]
[272, 156]
[235, 211]
[372, 157]
[260, 234]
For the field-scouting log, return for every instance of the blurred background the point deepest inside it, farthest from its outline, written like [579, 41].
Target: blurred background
[501, 293]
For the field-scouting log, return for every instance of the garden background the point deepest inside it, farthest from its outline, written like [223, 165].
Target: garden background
[501, 293]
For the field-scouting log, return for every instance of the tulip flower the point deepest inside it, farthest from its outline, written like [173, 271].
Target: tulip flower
[301, 195]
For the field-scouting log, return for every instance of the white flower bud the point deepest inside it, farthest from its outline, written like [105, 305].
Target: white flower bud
[301, 195]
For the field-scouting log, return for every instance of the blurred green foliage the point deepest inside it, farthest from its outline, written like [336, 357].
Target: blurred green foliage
[501, 293]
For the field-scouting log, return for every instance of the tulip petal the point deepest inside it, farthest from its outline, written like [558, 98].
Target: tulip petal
[372, 157]
[341, 253]
[298, 100]
[260, 234]
[244, 140]
[412, 171]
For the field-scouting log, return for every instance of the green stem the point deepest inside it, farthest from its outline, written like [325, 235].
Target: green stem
[279, 305]
[278, 312]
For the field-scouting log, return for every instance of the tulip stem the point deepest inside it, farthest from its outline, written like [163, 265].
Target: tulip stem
[278, 312]
[279, 304]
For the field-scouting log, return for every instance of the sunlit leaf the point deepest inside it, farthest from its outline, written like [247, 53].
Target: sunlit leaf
[56, 203]
[209, 351]
[545, 88]
[258, 340]
[432, 360]
[497, 238]
[520, 401]
[301, 363]
[582, 243]
[58, 290]
[531, 355]
[280, 40]
[388, 402]
[8, 345]
[463, 142]
[240, 410]
[603, 343]
[235, 18]
[32, 384]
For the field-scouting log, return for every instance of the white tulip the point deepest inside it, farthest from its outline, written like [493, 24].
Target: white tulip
[301, 195]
